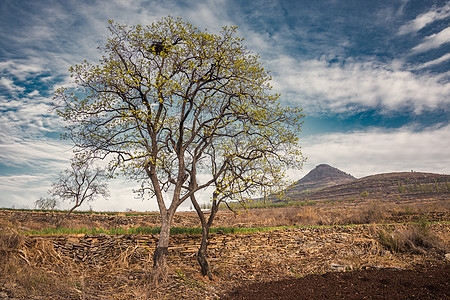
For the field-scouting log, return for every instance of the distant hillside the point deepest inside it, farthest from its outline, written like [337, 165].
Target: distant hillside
[400, 186]
[320, 177]
[326, 183]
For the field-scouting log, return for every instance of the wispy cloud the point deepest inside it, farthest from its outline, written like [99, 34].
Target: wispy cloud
[14, 182]
[21, 69]
[433, 41]
[434, 62]
[422, 20]
[9, 85]
[34, 93]
[24, 123]
[44, 153]
[22, 190]
[27, 117]
[341, 87]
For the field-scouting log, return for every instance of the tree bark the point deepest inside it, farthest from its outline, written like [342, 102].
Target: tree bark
[201, 254]
[159, 272]
[61, 217]
[206, 225]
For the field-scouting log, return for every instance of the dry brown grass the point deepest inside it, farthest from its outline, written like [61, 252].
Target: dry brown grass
[414, 238]
[370, 212]
[32, 271]
[74, 223]
[33, 266]
[307, 215]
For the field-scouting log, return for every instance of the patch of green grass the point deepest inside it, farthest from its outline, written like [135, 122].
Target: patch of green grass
[148, 230]
[180, 230]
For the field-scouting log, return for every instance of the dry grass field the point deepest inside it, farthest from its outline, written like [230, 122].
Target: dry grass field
[298, 243]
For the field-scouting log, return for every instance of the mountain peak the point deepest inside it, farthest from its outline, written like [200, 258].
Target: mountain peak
[326, 172]
[322, 176]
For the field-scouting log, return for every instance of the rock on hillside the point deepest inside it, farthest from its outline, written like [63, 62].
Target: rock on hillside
[321, 176]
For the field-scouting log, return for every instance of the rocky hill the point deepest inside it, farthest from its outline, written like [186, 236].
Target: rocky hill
[322, 176]
[327, 183]
[388, 186]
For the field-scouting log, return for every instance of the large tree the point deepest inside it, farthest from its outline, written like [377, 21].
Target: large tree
[163, 100]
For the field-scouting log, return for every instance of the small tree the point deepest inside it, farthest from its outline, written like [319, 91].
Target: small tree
[257, 166]
[79, 184]
[162, 100]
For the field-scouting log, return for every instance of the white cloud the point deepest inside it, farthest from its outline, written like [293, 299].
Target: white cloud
[27, 118]
[433, 41]
[23, 125]
[33, 93]
[122, 198]
[11, 183]
[322, 86]
[424, 19]
[22, 69]
[376, 151]
[434, 62]
[10, 85]
[55, 36]
[43, 153]
[21, 191]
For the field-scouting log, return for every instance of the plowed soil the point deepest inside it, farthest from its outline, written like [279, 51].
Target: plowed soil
[423, 283]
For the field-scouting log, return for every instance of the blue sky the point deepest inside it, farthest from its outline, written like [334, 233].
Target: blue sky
[373, 78]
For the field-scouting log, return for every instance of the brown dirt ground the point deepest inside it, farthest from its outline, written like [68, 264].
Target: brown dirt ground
[297, 265]
[422, 283]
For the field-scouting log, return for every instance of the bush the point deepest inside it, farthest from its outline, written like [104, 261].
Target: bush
[365, 194]
[416, 238]
[371, 213]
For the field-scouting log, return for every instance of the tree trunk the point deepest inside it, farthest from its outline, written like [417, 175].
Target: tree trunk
[206, 225]
[201, 254]
[72, 209]
[159, 272]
